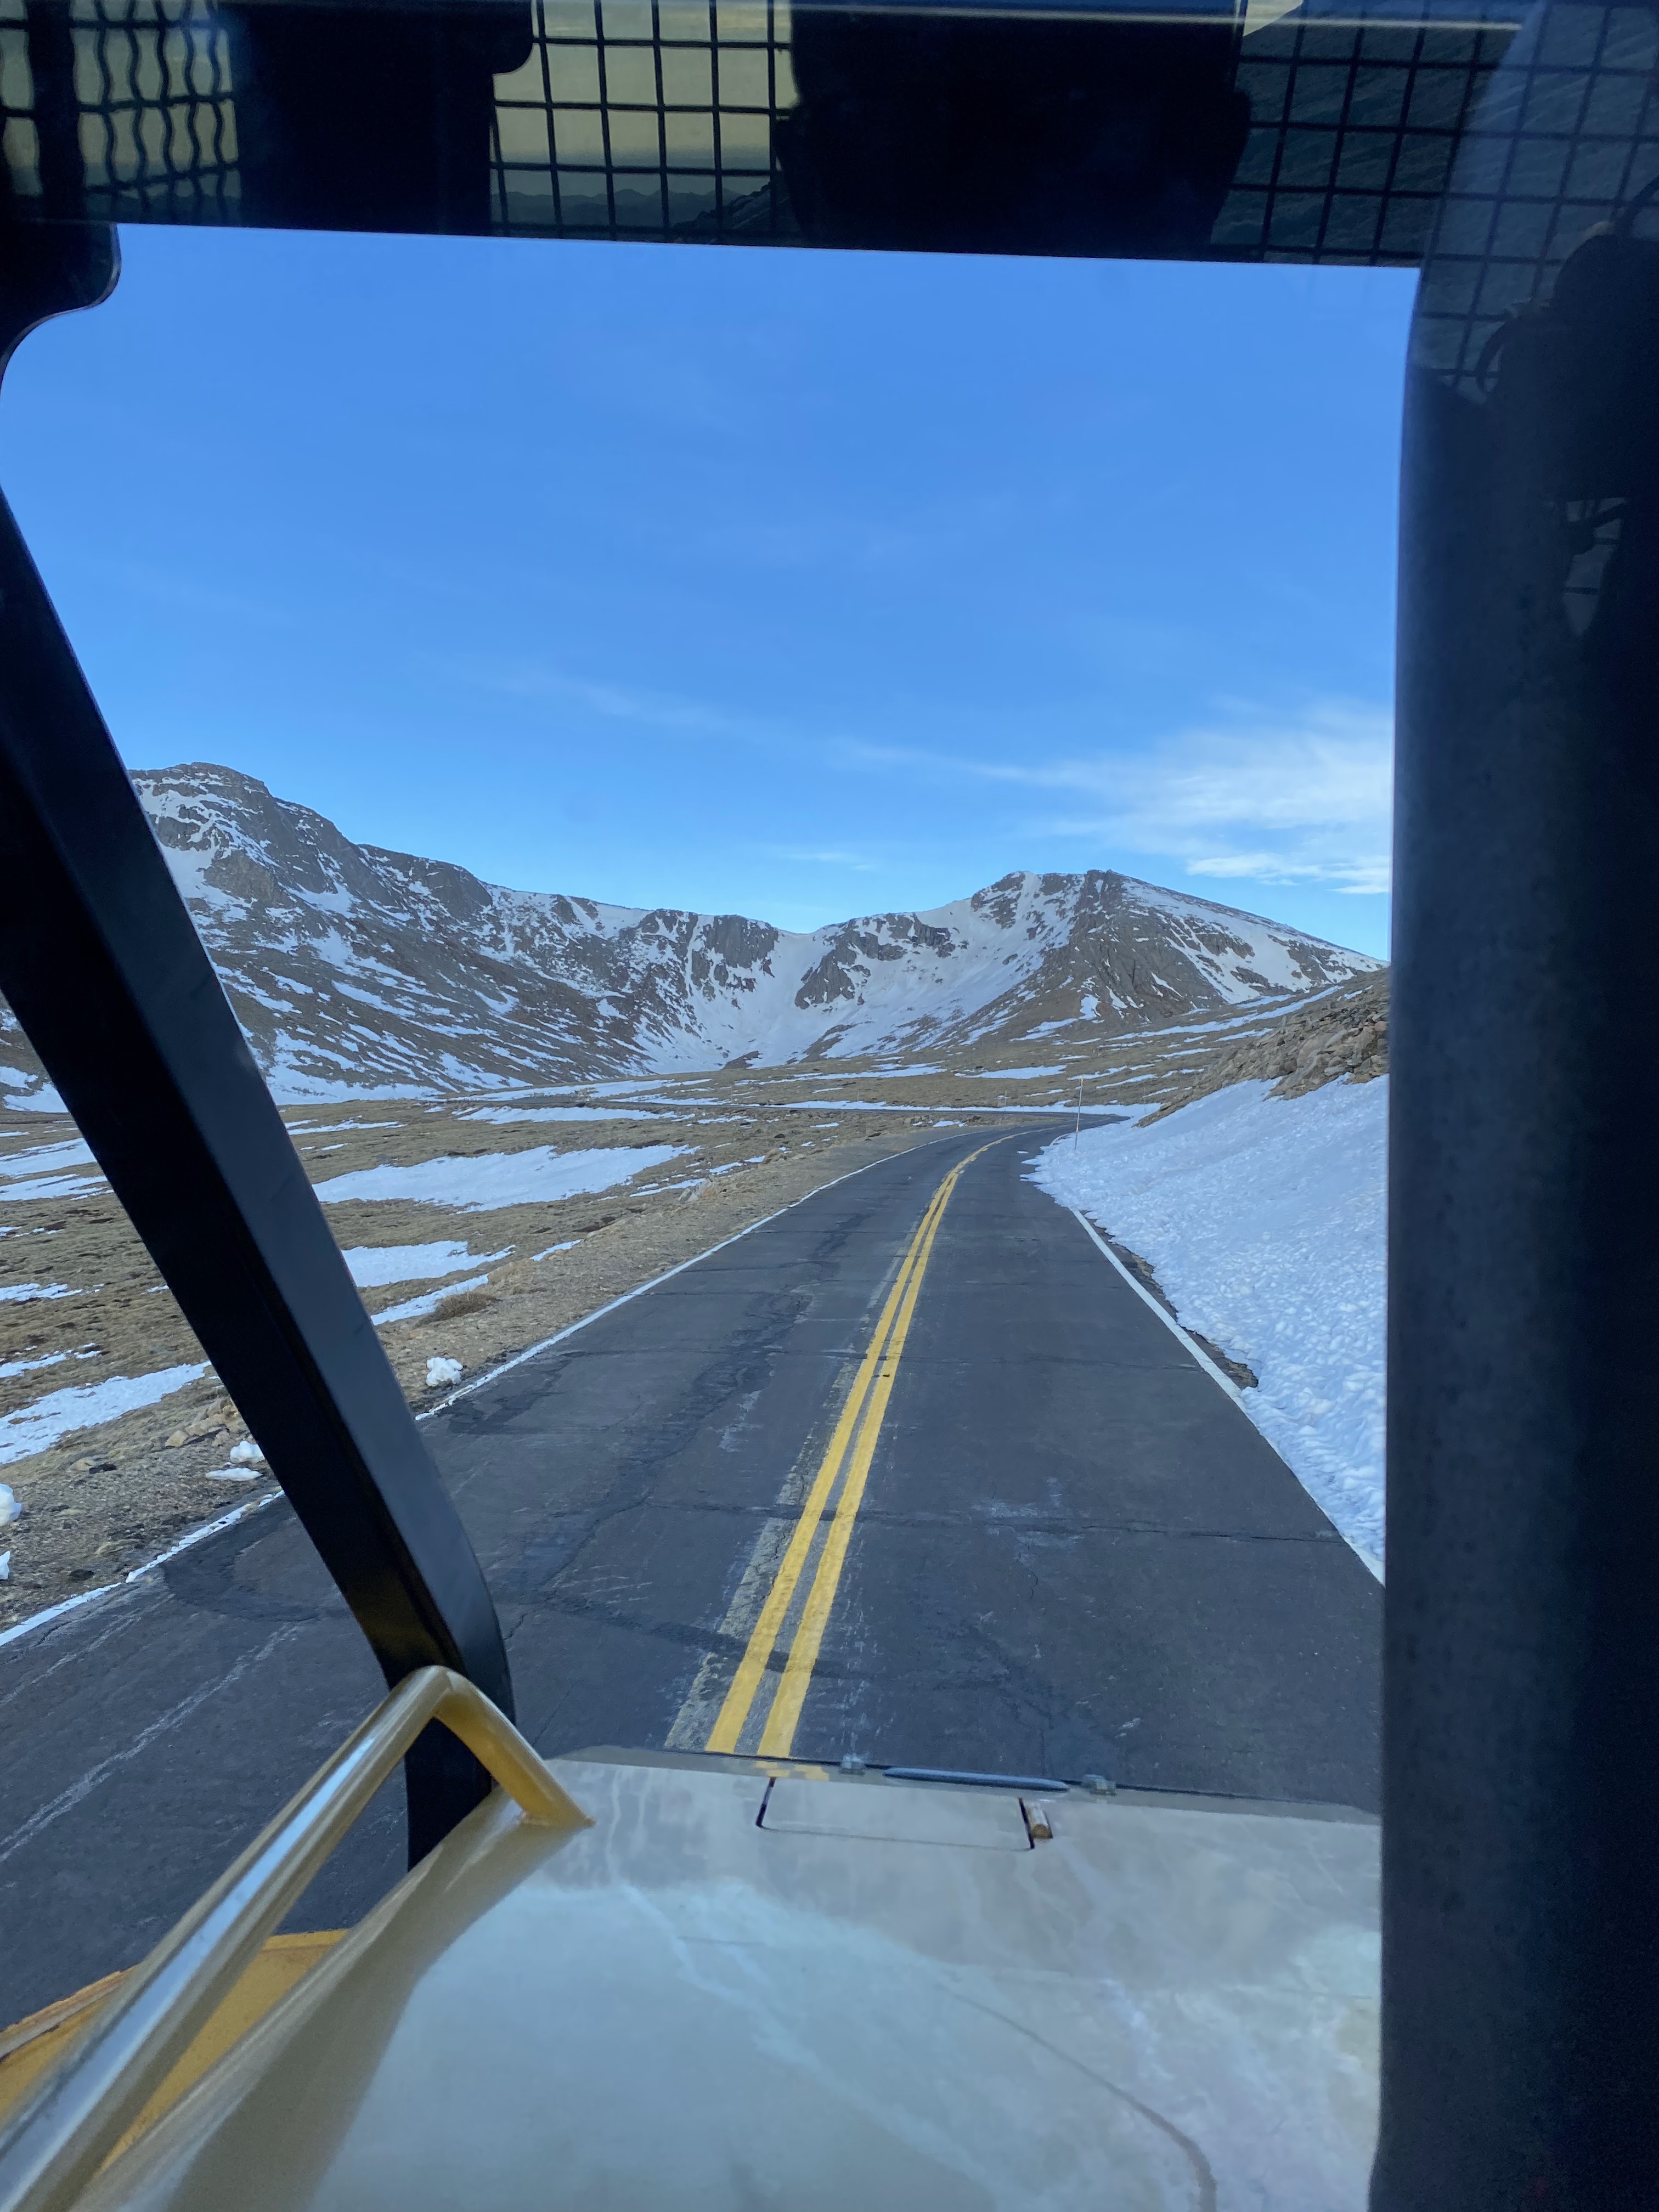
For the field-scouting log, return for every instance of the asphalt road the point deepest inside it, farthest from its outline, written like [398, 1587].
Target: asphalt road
[1018, 1528]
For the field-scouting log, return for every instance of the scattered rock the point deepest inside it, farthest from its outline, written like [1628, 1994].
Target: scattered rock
[1241, 1376]
[1342, 1037]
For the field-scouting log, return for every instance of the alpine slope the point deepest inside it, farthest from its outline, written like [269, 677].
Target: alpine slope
[358, 971]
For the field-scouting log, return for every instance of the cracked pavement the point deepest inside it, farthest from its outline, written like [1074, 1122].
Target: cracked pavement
[1076, 1555]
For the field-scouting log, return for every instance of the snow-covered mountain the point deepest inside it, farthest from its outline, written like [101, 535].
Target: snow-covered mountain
[354, 969]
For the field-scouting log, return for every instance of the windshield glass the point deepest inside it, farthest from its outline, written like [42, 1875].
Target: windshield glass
[801, 841]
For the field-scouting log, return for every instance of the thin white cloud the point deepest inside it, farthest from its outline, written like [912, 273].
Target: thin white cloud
[612, 701]
[606, 700]
[1309, 801]
[831, 860]
[1303, 799]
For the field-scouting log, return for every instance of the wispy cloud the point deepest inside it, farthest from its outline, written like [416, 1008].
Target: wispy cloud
[611, 702]
[858, 861]
[1278, 800]
[1308, 801]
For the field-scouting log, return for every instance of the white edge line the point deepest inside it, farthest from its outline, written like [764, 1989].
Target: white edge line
[1162, 1312]
[135, 1574]
[1369, 1559]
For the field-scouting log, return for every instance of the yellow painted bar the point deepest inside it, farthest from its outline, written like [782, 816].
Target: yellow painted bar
[28, 2050]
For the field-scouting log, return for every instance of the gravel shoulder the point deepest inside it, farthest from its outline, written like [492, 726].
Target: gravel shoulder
[102, 1499]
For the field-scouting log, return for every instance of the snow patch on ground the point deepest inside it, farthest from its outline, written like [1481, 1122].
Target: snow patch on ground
[528, 1178]
[42, 1172]
[84, 1406]
[10, 1367]
[908, 1106]
[1012, 1074]
[1263, 1221]
[413, 1309]
[552, 1114]
[47, 1159]
[52, 1186]
[315, 1128]
[372, 1265]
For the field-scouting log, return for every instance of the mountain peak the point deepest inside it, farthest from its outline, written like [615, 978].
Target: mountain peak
[358, 971]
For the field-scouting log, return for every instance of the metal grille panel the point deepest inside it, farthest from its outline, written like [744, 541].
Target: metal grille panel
[632, 119]
[1570, 134]
[138, 122]
[1353, 132]
[656, 119]
[20, 136]
[157, 125]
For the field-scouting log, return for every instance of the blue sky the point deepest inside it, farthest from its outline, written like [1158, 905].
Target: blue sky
[797, 584]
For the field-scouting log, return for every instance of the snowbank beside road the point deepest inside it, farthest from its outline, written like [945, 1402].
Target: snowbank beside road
[1263, 1221]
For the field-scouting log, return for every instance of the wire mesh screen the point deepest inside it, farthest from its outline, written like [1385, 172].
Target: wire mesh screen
[658, 118]
[630, 119]
[1353, 132]
[20, 136]
[157, 125]
[1569, 137]
[125, 104]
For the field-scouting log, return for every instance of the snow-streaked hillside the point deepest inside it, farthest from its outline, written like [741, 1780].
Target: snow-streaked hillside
[354, 969]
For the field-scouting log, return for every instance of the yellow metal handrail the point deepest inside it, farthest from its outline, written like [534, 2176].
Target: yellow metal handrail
[80, 2112]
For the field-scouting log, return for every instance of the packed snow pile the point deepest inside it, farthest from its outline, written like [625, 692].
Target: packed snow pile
[1263, 1219]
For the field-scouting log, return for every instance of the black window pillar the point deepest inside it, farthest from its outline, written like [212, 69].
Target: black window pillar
[1520, 1937]
[103, 965]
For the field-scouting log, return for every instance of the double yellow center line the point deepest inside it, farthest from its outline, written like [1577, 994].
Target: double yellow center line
[847, 1461]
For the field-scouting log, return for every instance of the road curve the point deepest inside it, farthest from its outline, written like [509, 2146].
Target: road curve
[1029, 1533]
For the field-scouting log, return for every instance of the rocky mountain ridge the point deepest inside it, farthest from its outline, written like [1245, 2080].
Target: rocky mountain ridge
[1342, 1036]
[359, 971]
